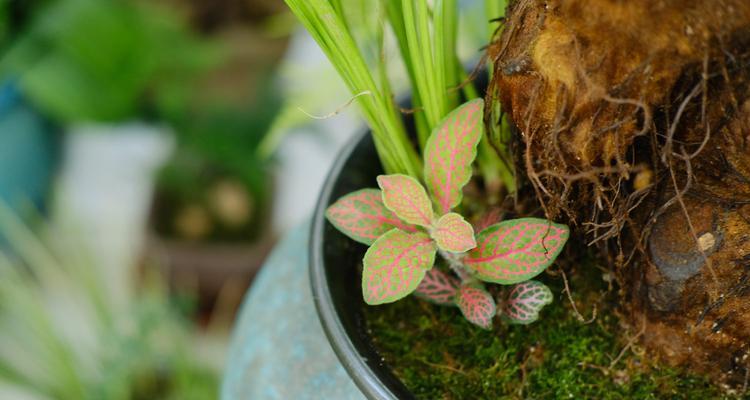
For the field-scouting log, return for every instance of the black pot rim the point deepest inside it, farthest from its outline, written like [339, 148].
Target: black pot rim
[363, 376]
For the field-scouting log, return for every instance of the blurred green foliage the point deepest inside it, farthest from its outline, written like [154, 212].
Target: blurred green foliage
[218, 145]
[105, 60]
[116, 60]
[63, 336]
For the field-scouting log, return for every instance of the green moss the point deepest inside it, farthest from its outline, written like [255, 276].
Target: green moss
[438, 355]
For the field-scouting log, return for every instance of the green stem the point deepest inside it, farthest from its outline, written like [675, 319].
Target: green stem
[446, 28]
[394, 12]
[456, 264]
[427, 84]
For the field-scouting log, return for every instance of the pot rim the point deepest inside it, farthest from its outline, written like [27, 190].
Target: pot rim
[363, 376]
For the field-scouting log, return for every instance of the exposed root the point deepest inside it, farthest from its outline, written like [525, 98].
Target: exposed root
[630, 343]
[633, 126]
[579, 316]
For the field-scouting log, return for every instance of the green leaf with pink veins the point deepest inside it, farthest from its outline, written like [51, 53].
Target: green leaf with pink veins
[406, 197]
[449, 152]
[362, 216]
[525, 301]
[516, 250]
[476, 304]
[438, 287]
[395, 265]
[452, 233]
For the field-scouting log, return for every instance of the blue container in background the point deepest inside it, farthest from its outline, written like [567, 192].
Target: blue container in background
[29, 147]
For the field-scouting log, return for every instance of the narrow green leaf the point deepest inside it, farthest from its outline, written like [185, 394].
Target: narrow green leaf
[418, 36]
[445, 26]
[395, 15]
[326, 26]
[395, 265]
[362, 216]
[516, 250]
[525, 301]
[406, 197]
[438, 287]
[452, 233]
[476, 304]
[449, 152]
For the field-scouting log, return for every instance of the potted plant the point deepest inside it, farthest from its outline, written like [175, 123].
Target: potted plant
[428, 229]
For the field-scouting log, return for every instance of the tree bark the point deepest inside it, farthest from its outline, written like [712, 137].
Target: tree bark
[633, 122]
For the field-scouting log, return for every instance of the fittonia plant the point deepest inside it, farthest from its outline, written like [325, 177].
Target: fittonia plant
[407, 226]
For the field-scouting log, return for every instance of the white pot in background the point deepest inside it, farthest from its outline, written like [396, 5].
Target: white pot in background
[105, 192]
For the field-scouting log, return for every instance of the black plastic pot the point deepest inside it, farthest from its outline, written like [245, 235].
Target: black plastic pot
[335, 264]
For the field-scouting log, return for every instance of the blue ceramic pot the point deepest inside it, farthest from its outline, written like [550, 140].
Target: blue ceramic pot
[29, 148]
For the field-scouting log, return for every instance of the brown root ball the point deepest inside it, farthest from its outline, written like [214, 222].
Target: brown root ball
[634, 126]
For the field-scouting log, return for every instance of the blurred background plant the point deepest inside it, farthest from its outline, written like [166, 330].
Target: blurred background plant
[145, 114]
[105, 60]
[62, 336]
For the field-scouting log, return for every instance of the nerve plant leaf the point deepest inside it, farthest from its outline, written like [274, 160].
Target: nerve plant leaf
[362, 216]
[449, 152]
[476, 304]
[525, 301]
[406, 197]
[516, 250]
[395, 265]
[452, 233]
[438, 287]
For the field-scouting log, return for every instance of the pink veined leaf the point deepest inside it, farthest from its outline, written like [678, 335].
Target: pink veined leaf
[362, 216]
[395, 265]
[438, 287]
[476, 304]
[516, 250]
[525, 301]
[406, 197]
[449, 152]
[452, 233]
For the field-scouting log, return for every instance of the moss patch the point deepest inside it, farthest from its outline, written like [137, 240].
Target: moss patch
[438, 355]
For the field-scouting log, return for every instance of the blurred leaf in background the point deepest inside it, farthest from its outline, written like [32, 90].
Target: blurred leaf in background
[105, 60]
[4, 24]
[61, 336]
[216, 187]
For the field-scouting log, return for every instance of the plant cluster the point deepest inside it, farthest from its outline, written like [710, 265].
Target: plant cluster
[408, 224]
[406, 228]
